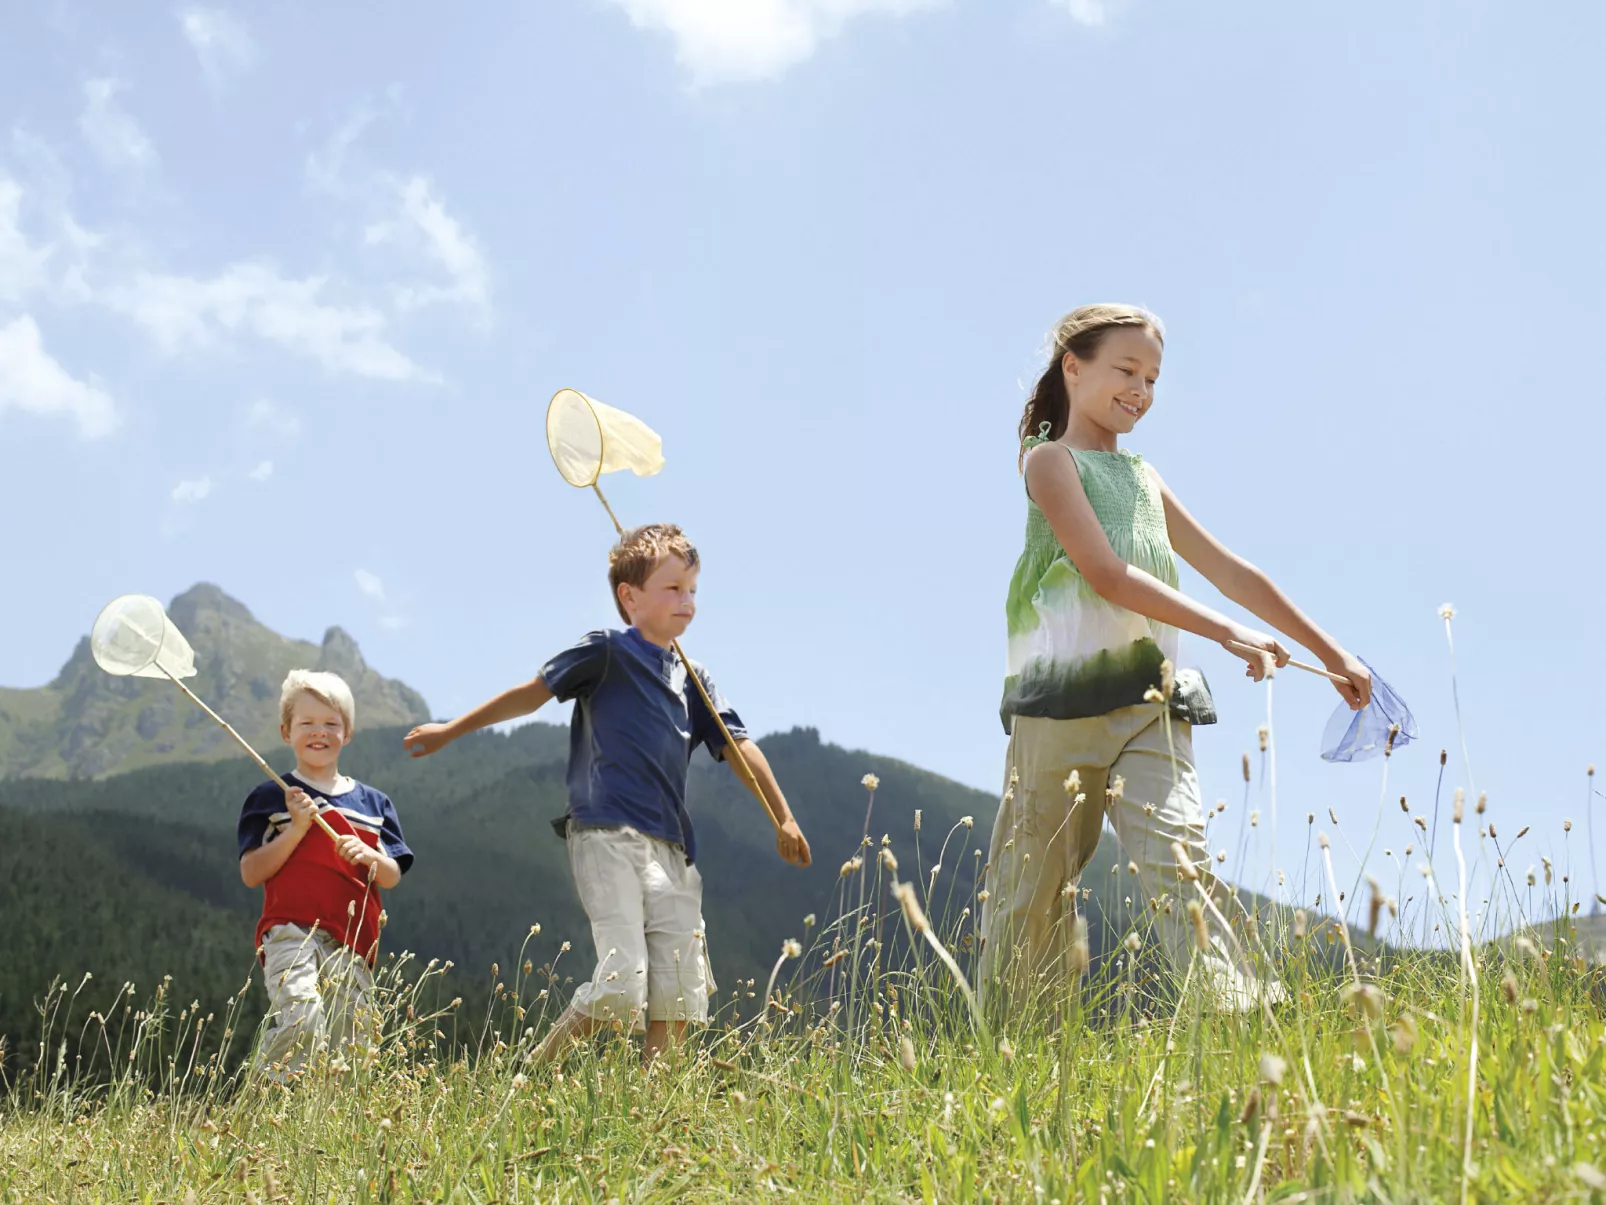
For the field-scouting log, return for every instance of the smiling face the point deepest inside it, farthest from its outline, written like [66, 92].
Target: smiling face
[1114, 388]
[317, 733]
[662, 607]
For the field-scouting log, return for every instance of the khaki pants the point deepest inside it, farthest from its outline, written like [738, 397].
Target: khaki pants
[320, 996]
[1043, 838]
[645, 905]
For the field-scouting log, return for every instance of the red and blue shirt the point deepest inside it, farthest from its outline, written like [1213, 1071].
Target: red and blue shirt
[316, 886]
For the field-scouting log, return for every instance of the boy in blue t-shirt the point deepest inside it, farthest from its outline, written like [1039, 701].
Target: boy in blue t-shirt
[637, 720]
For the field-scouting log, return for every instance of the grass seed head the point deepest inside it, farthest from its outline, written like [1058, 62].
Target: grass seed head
[1168, 678]
[1246, 767]
[1460, 806]
[870, 782]
[1365, 999]
[1403, 1031]
[1080, 956]
[912, 911]
[906, 1054]
[1272, 1068]
[1201, 932]
[1184, 863]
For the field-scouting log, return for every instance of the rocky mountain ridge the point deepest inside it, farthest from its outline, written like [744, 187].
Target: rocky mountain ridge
[87, 724]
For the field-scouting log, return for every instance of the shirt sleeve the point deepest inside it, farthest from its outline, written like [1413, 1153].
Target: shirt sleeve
[257, 813]
[705, 730]
[391, 841]
[577, 671]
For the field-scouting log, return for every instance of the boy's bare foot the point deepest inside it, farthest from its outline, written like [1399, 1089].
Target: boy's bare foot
[572, 1025]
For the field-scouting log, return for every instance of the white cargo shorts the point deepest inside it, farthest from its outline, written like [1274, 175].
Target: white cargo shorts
[645, 905]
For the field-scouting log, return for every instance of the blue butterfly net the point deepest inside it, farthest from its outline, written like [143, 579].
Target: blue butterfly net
[1364, 734]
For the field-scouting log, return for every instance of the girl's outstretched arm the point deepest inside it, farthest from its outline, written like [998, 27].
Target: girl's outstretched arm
[1053, 483]
[1252, 590]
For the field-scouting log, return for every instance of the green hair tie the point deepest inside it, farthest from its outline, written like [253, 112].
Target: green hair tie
[1041, 437]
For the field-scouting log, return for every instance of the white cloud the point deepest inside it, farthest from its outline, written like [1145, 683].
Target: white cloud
[262, 472]
[370, 585]
[113, 134]
[726, 41]
[326, 166]
[425, 224]
[268, 416]
[187, 493]
[22, 264]
[393, 623]
[32, 380]
[220, 41]
[1087, 12]
[252, 298]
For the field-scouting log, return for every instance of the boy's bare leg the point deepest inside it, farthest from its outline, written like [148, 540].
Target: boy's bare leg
[572, 1025]
[658, 1037]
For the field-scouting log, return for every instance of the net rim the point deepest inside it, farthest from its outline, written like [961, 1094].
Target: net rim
[94, 644]
[602, 441]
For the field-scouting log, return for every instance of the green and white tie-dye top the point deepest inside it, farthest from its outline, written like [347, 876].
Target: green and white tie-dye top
[1072, 654]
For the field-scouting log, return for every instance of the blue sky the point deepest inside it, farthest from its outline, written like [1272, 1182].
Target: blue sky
[284, 290]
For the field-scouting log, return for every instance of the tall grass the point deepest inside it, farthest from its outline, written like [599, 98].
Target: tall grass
[865, 1070]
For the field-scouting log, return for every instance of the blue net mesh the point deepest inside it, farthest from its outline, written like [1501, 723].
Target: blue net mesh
[1359, 735]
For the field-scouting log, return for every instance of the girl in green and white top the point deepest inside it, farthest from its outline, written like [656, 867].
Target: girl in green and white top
[1094, 614]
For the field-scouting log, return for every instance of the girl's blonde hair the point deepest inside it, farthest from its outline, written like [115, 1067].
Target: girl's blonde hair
[1080, 332]
[329, 689]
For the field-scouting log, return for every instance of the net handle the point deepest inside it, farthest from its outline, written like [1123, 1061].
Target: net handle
[743, 770]
[255, 756]
[1309, 669]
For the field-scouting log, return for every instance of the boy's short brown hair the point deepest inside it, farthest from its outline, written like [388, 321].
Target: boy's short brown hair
[639, 552]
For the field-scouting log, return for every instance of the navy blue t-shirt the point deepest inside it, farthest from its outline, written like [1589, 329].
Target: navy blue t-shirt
[636, 722]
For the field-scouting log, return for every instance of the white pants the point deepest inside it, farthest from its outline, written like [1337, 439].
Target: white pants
[320, 994]
[645, 905]
[1043, 838]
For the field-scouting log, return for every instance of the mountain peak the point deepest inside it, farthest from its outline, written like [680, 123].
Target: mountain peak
[203, 598]
[88, 724]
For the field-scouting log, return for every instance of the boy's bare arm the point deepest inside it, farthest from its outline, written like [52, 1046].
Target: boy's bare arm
[509, 705]
[259, 865]
[790, 842]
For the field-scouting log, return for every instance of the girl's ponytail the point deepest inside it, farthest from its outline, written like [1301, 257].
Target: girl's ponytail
[1080, 332]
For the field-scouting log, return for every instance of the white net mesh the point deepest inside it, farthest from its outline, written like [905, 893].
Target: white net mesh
[134, 637]
[588, 439]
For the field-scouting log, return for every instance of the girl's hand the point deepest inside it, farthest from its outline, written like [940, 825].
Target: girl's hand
[427, 738]
[1259, 650]
[1357, 692]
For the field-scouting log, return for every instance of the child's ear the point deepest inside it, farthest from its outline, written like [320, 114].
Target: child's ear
[1070, 366]
[627, 597]
[284, 733]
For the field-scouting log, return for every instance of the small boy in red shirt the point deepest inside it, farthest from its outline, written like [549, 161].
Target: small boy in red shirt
[318, 936]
